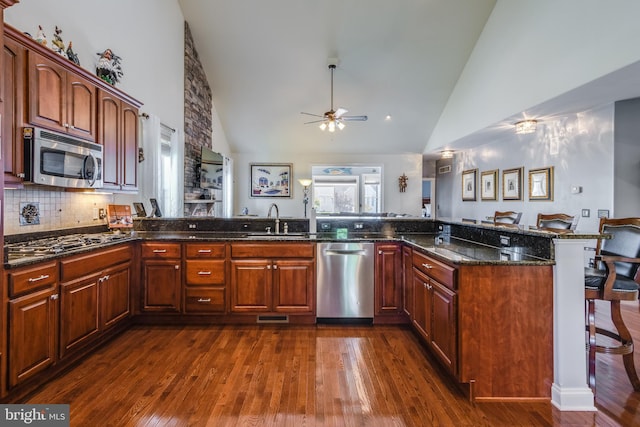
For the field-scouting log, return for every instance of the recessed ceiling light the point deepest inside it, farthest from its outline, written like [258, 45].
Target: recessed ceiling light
[388, 117]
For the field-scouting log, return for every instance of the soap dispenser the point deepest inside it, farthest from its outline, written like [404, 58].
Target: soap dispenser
[312, 221]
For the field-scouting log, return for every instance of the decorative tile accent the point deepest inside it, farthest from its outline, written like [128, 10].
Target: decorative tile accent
[29, 213]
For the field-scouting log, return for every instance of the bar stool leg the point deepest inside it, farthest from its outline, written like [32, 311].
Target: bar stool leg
[591, 344]
[626, 341]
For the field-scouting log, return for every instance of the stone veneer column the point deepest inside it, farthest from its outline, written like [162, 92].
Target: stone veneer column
[198, 106]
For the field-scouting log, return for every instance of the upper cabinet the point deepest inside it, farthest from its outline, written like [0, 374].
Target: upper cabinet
[59, 99]
[43, 89]
[118, 133]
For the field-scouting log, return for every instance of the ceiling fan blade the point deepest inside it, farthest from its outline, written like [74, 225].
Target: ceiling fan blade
[309, 114]
[340, 111]
[354, 118]
[315, 121]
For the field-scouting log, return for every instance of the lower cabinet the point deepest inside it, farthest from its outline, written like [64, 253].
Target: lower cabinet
[93, 301]
[161, 277]
[205, 284]
[273, 278]
[388, 282]
[33, 321]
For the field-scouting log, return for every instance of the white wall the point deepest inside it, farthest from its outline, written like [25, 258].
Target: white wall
[532, 51]
[393, 167]
[579, 147]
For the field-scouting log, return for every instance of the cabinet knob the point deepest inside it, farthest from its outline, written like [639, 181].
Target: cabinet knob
[177, 267]
[268, 266]
[275, 267]
[65, 125]
[54, 297]
[20, 175]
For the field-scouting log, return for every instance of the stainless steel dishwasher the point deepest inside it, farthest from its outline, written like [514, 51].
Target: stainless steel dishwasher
[345, 282]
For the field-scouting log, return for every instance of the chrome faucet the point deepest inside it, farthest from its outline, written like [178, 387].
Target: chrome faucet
[277, 228]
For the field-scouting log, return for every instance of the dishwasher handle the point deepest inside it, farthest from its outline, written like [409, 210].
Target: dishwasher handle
[360, 252]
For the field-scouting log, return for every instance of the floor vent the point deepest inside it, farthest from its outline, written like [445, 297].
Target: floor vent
[273, 319]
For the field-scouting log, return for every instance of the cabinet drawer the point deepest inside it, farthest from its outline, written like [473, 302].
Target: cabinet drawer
[205, 250]
[273, 250]
[205, 272]
[435, 269]
[209, 300]
[161, 250]
[29, 279]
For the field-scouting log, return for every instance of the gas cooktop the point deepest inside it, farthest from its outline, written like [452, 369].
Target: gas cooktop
[58, 245]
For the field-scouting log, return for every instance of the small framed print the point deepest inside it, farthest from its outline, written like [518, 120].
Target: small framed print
[512, 184]
[270, 179]
[541, 184]
[488, 187]
[469, 178]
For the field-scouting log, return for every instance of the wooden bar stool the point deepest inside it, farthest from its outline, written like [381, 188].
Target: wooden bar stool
[508, 217]
[616, 279]
[558, 222]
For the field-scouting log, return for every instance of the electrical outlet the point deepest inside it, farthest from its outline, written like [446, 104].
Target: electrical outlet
[95, 213]
[505, 240]
[102, 214]
[358, 226]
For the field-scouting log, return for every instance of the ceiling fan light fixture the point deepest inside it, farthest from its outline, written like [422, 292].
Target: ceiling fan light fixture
[332, 126]
[323, 126]
[340, 125]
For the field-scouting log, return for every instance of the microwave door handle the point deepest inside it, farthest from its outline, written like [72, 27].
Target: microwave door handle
[95, 168]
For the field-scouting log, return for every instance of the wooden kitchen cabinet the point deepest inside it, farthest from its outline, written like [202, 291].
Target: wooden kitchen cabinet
[33, 321]
[161, 277]
[273, 278]
[435, 308]
[407, 281]
[12, 90]
[205, 278]
[60, 99]
[118, 133]
[93, 299]
[388, 283]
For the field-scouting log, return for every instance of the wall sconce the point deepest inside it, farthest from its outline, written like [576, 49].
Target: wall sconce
[306, 183]
[526, 126]
[402, 182]
[446, 154]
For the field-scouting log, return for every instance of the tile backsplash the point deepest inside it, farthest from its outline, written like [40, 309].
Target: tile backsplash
[57, 209]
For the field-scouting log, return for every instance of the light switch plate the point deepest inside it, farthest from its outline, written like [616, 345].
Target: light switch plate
[586, 213]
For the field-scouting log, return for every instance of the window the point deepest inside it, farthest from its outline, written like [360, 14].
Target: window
[352, 189]
[167, 171]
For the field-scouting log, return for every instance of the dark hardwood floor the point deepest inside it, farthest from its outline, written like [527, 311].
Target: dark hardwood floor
[263, 375]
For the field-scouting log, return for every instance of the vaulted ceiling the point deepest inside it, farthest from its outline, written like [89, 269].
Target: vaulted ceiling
[267, 61]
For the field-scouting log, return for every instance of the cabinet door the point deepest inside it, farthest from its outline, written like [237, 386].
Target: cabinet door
[129, 147]
[12, 90]
[421, 304]
[294, 286]
[444, 325]
[115, 301]
[388, 279]
[32, 335]
[251, 285]
[47, 96]
[407, 281]
[78, 313]
[108, 131]
[161, 282]
[81, 107]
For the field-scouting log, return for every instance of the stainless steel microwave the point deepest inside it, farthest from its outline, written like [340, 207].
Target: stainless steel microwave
[52, 158]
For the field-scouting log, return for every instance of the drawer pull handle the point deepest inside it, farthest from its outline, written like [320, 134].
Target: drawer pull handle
[37, 279]
[204, 251]
[427, 266]
[204, 273]
[159, 251]
[204, 299]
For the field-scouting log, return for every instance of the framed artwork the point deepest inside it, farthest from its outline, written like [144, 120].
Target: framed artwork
[541, 184]
[469, 178]
[270, 179]
[488, 185]
[512, 184]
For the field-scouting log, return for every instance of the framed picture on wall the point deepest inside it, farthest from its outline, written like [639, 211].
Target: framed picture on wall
[512, 184]
[541, 184]
[469, 178]
[270, 179]
[488, 185]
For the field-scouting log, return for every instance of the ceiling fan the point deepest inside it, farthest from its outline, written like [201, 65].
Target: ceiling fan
[333, 119]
